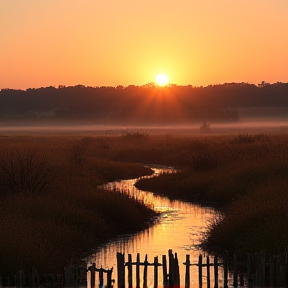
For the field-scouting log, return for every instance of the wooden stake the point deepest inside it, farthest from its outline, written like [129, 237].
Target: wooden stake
[164, 267]
[171, 268]
[109, 278]
[92, 269]
[121, 270]
[215, 272]
[155, 272]
[138, 271]
[176, 271]
[200, 270]
[187, 271]
[208, 271]
[145, 272]
[101, 278]
[129, 266]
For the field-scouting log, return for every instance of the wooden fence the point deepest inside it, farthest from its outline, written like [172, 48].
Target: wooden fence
[101, 272]
[255, 270]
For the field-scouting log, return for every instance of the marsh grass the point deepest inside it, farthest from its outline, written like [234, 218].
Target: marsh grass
[46, 221]
[246, 180]
[248, 185]
[135, 136]
[257, 220]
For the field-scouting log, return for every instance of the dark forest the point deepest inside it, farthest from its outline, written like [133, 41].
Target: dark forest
[140, 104]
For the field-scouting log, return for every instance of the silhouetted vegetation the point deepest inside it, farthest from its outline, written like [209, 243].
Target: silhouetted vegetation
[51, 207]
[203, 162]
[245, 176]
[138, 136]
[23, 172]
[140, 105]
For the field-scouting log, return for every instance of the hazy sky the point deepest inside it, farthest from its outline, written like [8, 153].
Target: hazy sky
[112, 42]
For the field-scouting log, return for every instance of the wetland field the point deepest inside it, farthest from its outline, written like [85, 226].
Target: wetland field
[53, 211]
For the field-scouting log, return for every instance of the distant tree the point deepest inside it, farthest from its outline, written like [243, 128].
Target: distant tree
[145, 104]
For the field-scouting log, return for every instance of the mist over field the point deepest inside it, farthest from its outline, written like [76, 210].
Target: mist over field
[255, 119]
[263, 126]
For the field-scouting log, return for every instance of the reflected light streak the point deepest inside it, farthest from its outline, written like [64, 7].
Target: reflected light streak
[179, 228]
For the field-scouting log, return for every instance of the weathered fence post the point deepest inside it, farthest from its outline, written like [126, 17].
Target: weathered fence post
[138, 271]
[176, 272]
[187, 271]
[215, 271]
[101, 278]
[121, 270]
[92, 269]
[208, 271]
[109, 278]
[129, 266]
[155, 272]
[171, 268]
[164, 267]
[145, 271]
[200, 270]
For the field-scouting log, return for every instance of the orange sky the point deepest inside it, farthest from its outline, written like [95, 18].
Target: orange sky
[112, 42]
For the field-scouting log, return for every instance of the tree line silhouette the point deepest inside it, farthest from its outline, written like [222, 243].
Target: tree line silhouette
[141, 104]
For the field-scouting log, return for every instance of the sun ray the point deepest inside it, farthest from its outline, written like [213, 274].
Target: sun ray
[161, 106]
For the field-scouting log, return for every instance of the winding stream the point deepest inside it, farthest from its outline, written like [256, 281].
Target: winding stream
[179, 228]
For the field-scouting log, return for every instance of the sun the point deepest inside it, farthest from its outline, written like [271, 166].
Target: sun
[161, 79]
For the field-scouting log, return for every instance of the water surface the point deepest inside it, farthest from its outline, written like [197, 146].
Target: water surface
[179, 227]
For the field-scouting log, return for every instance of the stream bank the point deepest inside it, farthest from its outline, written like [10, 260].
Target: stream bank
[180, 227]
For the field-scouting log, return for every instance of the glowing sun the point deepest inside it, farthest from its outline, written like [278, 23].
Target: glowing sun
[161, 79]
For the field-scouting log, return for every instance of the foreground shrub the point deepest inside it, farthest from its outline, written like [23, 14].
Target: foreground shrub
[203, 161]
[25, 171]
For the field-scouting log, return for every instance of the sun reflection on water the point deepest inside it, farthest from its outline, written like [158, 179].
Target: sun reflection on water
[179, 227]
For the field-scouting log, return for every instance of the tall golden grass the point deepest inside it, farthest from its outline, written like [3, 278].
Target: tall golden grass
[51, 209]
[243, 175]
